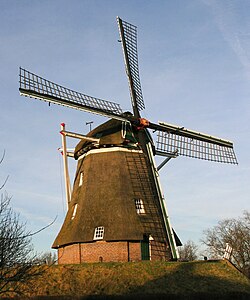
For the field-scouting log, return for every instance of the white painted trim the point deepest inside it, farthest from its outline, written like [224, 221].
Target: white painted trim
[105, 150]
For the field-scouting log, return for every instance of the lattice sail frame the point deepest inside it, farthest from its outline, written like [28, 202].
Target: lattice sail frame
[128, 34]
[37, 87]
[169, 142]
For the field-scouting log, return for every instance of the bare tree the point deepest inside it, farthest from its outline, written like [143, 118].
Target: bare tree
[188, 251]
[16, 251]
[47, 258]
[235, 232]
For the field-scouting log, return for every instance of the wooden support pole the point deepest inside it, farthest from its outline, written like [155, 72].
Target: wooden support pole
[65, 167]
[79, 136]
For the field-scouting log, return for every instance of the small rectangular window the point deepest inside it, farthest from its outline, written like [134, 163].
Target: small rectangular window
[74, 211]
[81, 179]
[139, 206]
[99, 233]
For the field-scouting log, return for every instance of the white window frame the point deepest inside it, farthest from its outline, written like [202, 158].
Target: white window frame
[99, 233]
[81, 179]
[74, 211]
[139, 205]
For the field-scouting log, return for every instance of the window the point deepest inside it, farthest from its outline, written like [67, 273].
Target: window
[81, 179]
[139, 206]
[74, 211]
[99, 233]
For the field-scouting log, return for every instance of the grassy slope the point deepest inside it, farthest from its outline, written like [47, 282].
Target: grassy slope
[144, 278]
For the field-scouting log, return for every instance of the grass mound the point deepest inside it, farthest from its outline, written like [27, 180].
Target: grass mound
[142, 280]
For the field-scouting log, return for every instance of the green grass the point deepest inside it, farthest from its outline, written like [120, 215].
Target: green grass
[143, 280]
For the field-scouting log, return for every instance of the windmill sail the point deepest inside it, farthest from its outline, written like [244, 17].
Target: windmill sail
[190, 143]
[117, 210]
[128, 34]
[37, 87]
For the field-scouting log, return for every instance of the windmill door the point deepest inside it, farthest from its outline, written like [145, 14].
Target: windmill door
[145, 248]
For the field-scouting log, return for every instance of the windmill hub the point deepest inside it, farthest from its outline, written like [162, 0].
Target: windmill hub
[142, 123]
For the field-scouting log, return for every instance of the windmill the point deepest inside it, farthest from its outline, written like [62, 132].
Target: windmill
[116, 211]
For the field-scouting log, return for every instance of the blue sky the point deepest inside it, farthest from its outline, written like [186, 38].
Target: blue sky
[194, 59]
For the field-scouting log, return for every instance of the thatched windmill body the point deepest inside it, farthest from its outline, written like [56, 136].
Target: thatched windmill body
[116, 211]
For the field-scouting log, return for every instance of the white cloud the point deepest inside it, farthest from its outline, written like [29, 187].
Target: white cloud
[234, 27]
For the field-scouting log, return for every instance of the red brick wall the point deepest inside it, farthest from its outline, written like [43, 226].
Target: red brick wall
[100, 251]
[109, 251]
[105, 251]
[134, 251]
[69, 254]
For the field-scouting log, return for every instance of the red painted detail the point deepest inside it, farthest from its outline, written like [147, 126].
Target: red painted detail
[141, 123]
